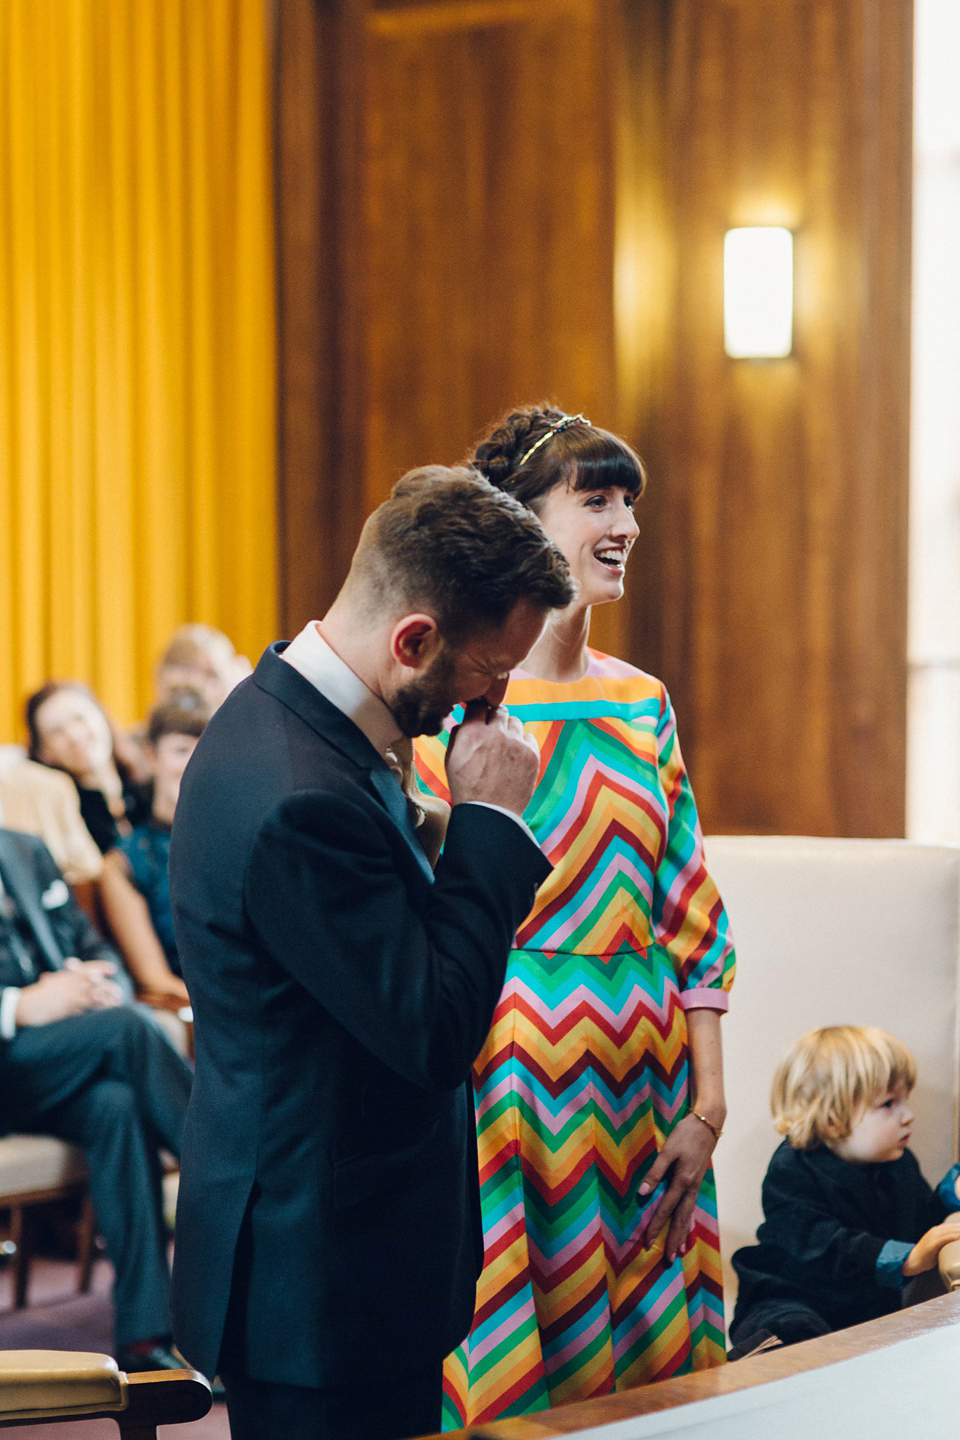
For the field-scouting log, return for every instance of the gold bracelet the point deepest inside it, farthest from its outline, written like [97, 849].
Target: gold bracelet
[709, 1124]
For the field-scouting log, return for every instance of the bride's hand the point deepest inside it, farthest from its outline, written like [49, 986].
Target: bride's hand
[682, 1163]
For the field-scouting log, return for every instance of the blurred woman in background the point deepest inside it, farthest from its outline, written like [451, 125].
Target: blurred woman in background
[70, 730]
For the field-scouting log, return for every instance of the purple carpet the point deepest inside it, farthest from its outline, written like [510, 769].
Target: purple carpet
[59, 1319]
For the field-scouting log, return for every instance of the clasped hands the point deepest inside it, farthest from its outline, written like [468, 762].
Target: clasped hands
[80, 986]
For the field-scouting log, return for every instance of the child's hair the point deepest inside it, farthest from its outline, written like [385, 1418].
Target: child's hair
[829, 1076]
[183, 712]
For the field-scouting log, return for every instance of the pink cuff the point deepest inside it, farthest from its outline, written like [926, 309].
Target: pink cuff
[705, 998]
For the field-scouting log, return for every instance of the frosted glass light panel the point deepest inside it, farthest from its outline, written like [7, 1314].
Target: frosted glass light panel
[758, 292]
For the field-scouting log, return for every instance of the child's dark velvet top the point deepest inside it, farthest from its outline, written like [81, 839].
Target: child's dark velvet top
[826, 1223]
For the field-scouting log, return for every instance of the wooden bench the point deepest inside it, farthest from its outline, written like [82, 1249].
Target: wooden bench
[913, 1366]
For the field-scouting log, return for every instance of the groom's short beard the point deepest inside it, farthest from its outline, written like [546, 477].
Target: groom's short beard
[421, 706]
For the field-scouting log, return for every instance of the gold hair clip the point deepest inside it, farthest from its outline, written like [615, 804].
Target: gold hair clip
[563, 424]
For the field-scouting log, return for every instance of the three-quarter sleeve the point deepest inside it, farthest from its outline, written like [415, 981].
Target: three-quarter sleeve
[688, 915]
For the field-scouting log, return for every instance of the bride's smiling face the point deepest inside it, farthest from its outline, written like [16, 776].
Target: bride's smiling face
[595, 529]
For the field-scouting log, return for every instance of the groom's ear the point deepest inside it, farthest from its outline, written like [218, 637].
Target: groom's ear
[414, 640]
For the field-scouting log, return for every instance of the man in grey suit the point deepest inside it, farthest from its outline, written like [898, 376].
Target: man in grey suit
[328, 1237]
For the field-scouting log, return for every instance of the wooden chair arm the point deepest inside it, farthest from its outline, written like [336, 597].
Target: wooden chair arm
[163, 1397]
[37, 1386]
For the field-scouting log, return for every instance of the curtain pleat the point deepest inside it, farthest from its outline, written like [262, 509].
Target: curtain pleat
[137, 338]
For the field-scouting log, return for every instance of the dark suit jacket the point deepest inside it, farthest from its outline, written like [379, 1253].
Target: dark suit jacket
[825, 1223]
[59, 926]
[340, 997]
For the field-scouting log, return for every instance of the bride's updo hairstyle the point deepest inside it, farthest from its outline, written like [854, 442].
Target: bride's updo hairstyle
[534, 448]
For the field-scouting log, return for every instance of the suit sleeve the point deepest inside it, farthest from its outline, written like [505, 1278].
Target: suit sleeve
[413, 971]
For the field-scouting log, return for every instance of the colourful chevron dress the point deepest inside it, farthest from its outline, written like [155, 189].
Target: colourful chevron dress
[584, 1072]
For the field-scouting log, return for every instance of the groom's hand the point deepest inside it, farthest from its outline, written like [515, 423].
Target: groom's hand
[489, 758]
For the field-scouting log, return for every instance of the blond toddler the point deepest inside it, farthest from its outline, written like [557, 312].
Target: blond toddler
[848, 1217]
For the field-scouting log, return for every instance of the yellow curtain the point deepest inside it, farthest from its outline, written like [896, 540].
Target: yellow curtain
[137, 334]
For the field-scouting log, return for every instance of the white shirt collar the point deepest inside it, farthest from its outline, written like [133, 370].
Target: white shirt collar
[313, 658]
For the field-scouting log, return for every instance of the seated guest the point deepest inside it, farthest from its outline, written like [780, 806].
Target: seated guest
[135, 890]
[198, 658]
[203, 659]
[44, 802]
[848, 1217]
[80, 1062]
[69, 730]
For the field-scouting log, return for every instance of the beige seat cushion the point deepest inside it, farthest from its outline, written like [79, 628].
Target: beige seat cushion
[48, 1383]
[38, 1162]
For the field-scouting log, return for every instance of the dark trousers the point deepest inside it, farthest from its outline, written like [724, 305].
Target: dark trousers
[789, 1320]
[262, 1411]
[110, 1082]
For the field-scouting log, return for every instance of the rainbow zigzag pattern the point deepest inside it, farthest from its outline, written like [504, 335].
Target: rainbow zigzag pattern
[585, 1072]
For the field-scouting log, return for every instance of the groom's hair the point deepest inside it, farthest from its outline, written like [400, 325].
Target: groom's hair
[447, 542]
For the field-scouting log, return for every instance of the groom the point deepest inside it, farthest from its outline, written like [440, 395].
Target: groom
[328, 1238]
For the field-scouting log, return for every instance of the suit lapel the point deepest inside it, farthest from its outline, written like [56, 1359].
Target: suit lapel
[390, 791]
[293, 690]
[22, 885]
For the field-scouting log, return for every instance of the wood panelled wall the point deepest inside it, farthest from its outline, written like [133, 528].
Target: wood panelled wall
[773, 601]
[446, 241]
[489, 221]
[489, 201]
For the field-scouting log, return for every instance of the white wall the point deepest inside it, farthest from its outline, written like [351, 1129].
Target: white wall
[933, 732]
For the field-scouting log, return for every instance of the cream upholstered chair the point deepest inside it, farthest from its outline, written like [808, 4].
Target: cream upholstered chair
[35, 1169]
[831, 932]
[43, 1385]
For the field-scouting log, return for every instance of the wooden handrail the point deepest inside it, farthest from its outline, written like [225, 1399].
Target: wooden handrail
[906, 1324]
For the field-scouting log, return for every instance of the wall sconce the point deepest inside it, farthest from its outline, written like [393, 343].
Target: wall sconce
[758, 292]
